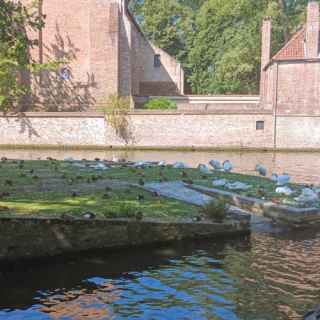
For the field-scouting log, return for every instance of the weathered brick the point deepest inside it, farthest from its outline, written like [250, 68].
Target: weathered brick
[106, 51]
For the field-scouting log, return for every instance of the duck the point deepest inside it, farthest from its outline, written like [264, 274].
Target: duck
[179, 165]
[8, 182]
[74, 194]
[215, 164]
[274, 177]
[89, 215]
[184, 174]
[203, 169]
[156, 194]
[227, 166]
[4, 194]
[283, 179]
[261, 170]
[197, 219]
[139, 216]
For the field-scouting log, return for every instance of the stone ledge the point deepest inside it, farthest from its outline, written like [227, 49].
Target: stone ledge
[136, 112]
[28, 238]
[281, 213]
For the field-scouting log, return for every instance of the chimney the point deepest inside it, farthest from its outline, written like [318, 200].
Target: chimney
[266, 42]
[265, 53]
[312, 32]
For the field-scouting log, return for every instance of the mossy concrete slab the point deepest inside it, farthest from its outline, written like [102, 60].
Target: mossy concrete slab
[25, 238]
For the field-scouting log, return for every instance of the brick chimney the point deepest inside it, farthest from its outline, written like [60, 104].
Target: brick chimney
[265, 53]
[312, 32]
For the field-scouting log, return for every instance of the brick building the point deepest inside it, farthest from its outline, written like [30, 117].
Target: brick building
[104, 52]
[290, 80]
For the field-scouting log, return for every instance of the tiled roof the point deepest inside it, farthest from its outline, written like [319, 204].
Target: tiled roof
[294, 49]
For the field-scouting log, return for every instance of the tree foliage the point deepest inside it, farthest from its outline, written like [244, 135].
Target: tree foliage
[218, 42]
[15, 45]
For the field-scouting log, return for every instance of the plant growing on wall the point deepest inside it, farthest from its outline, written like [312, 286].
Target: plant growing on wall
[117, 110]
[215, 210]
[161, 103]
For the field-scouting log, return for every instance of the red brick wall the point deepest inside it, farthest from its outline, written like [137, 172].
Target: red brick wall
[265, 55]
[104, 42]
[86, 35]
[167, 80]
[106, 54]
[290, 82]
[125, 53]
[158, 88]
[298, 89]
[312, 32]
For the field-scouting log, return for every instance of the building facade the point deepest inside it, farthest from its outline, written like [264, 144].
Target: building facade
[290, 80]
[102, 51]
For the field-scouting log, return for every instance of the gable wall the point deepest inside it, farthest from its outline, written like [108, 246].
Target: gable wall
[146, 80]
[298, 89]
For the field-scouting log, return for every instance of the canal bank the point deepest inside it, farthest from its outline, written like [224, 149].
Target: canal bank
[31, 238]
[269, 275]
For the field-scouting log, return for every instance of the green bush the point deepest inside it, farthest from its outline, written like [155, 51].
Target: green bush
[125, 210]
[161, 103]
[215, 210]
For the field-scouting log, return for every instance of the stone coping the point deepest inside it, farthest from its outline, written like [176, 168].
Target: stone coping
[152, 112]
[135, 112]
[281, 213]
[208, 97]
[106, 147]
[30, 238]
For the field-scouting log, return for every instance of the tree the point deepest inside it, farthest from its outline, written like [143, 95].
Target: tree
[15, 62]
[225, 55]
[218, 41]
[164, 22]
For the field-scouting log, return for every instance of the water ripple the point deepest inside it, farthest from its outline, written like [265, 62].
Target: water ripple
[271, 277]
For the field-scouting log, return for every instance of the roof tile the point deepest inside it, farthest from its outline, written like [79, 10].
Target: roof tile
[294, 49]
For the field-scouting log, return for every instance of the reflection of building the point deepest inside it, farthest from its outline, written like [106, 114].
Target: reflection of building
[290, 80]
[81, 304]
[105, 48]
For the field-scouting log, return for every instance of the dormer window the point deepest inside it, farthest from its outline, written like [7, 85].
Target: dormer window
[157, 61]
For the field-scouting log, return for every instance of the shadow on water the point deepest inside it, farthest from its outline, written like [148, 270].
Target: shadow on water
[68, 273]
[267, 276]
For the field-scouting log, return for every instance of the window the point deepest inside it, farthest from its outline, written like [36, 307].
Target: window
[157, 61]
[260, 125]
[64, 74]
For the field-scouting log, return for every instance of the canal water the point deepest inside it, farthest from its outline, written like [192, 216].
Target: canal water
[301, 166]
[267, 276]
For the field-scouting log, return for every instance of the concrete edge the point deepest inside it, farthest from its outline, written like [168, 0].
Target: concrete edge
[149, 148]
[140, 112]
[269, 209]
[48, 237]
